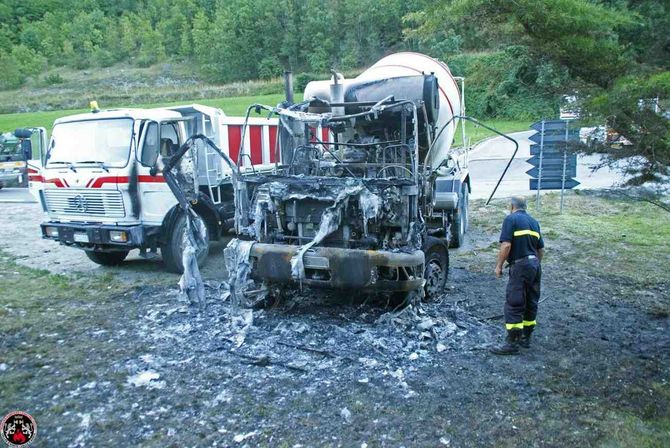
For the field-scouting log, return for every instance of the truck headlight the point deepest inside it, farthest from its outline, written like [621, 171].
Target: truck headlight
[51, 232]
[118, 236]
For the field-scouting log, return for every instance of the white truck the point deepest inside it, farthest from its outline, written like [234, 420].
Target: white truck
[99, 178]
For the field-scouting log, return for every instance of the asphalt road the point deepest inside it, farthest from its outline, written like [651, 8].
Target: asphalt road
[488, 160]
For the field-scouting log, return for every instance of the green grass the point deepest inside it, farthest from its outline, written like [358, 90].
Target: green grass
[613, 235]
[234, 106]
[477, 133]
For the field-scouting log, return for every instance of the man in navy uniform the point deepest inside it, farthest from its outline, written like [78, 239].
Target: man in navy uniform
[522, 247]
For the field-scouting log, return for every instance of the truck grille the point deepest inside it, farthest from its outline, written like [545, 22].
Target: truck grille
[107, 203]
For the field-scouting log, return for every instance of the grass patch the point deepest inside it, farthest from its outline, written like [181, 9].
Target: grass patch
[624, 429]
[477, 133]
[614, 236]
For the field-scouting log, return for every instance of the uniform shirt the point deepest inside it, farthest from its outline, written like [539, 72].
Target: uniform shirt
[520, 229]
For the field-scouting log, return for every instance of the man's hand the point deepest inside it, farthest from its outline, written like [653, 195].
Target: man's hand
[505, 248]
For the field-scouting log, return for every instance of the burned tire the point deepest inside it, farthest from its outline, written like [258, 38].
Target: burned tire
[459, 220]
[436, 269]
[172, 249]
[107, 258]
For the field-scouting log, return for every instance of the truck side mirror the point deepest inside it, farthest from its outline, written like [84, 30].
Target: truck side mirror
[27, 149]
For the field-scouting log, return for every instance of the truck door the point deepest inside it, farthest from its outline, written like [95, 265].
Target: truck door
[34, 150]
[159, 140]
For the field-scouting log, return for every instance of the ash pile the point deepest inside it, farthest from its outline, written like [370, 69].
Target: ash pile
[318, 335]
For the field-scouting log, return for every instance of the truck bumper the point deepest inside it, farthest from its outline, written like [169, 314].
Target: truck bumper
[9, 178]
[338, 268]
[99, 236]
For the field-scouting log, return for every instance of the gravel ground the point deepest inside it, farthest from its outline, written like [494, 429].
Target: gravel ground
[20, 236]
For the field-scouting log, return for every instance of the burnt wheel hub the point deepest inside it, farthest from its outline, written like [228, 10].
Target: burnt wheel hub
[434, 279]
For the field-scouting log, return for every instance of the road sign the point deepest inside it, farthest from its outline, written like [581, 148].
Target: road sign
[550, 147]
[551, 159]
[552, 172]
[553, 184]
[573, 135]
[553, 168]
[549, 125]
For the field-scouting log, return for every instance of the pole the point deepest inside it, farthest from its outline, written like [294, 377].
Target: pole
[565, 163]
[288, 86]
[539, 174]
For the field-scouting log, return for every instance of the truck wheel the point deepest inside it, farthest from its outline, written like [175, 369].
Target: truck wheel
[172, 249]
[466, 208]
[457, 227]
[107, 258]
[436, 270]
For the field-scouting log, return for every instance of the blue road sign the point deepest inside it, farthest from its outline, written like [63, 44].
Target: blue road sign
[549, 125]
[551, 158]
[573, 135]
[553, 172]
[553, 184]
[552, 147]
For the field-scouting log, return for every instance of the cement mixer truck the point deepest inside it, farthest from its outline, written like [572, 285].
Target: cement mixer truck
[367, 192]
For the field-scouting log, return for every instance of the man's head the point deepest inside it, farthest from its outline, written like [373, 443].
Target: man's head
[517, 203]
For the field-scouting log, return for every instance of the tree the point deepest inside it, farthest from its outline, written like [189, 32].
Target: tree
[609, 50]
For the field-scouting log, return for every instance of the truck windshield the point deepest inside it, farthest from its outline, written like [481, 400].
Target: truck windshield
[102, 142]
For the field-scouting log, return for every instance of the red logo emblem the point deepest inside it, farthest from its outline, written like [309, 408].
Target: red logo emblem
[18, 428]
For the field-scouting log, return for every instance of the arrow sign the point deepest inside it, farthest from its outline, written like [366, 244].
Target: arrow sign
[553, 184]
[551, 147]
[553, 172]
[551, 138]
[552, 158]
[549, 125]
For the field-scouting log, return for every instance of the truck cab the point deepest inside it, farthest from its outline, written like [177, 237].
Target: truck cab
[101, 185]
[19, 155]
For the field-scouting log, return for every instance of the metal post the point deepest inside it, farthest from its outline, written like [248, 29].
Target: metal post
[565, 163]
[539, 173]
[288, 86]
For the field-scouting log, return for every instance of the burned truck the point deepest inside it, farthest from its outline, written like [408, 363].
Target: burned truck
[368, 192]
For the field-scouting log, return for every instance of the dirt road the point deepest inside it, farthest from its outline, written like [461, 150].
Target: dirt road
[141, 368]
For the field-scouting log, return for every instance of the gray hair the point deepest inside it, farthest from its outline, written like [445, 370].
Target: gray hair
[518, 202]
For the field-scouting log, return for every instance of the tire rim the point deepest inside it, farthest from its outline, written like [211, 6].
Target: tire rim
[434, 279]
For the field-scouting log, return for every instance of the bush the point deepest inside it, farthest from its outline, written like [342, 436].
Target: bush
[53, 78]
[302, 79]
[20, 64]
[508, 84]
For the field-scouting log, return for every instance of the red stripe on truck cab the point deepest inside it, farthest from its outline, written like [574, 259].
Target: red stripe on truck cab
[324, 135]
[234, 139]
[256, 140]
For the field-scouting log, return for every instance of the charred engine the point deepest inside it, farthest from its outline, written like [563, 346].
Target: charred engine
[365, 173]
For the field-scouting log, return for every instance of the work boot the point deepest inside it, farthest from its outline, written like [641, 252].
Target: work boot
[511, 345]
[524, 342]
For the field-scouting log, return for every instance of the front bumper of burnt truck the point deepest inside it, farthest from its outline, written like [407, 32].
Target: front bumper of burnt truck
[339, 268]
[101, 237]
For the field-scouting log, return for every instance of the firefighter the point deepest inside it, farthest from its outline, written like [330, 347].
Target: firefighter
[522, 247]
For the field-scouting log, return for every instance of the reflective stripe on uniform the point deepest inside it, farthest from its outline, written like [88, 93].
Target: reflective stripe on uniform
[529, 323]
[527, 232]
[514, 326]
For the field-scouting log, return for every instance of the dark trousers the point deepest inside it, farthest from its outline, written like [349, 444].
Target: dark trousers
[523, 294]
